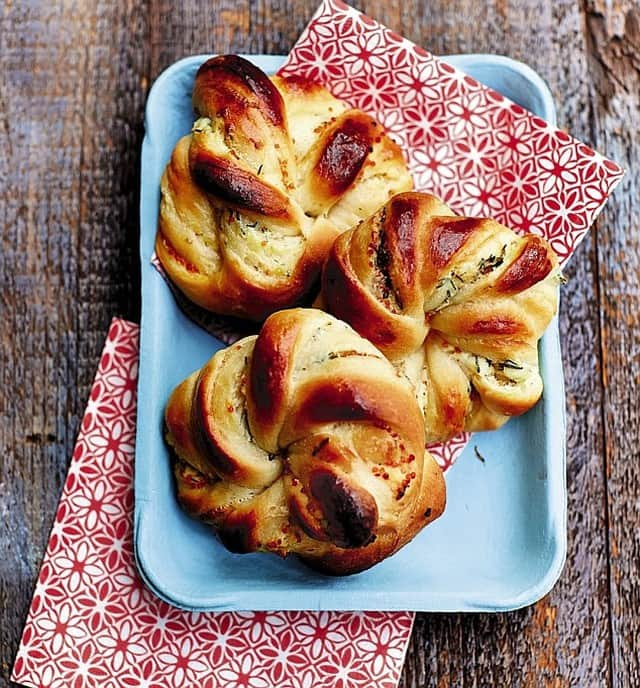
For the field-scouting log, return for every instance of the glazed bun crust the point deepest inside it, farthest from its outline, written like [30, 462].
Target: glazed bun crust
[304, 440]
[458, 304]
[272, 171]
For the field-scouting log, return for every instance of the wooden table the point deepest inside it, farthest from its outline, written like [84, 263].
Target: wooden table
[74, 78]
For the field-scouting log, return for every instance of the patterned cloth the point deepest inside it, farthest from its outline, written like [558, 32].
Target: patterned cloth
[478, 151]
[93, 623]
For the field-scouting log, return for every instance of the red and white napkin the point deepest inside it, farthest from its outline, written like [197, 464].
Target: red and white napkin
[481, 153]
[478, 151]
[92, 622]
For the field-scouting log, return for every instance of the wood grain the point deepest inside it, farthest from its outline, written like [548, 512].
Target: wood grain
[73, 82]
[70, 130]
[613, 38]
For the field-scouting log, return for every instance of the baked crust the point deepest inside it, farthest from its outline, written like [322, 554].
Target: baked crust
[304, 440]
[273, 170]
[457, 304]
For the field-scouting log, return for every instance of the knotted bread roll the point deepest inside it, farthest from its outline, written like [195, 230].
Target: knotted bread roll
[304, 439]
[458, 304]
[273, 170]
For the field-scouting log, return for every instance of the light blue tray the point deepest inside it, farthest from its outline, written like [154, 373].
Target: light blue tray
[501, 543]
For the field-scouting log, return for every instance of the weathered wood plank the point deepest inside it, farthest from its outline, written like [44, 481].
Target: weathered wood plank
[73, 82]
[72, 91]
[613, 34]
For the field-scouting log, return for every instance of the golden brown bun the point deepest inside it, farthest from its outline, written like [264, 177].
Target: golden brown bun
[273, 170]
[305, 440]
[458, 304]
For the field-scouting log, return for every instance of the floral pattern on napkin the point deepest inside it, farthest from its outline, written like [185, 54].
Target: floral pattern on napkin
[94, 624]
[478, 151]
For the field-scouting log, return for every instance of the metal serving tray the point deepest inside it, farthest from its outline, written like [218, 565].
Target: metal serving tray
[501, 543]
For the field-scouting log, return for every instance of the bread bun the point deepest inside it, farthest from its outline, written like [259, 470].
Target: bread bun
[458, 304]
[272, 171]
[304, 440]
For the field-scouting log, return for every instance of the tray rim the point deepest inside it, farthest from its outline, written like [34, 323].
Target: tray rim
[549, 346]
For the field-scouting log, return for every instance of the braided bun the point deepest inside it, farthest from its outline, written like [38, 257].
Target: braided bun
[304, 440]
[458, 304]
[273, 170]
